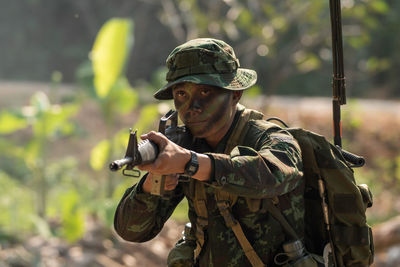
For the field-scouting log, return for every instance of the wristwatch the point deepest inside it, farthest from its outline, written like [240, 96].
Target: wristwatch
[192, 166]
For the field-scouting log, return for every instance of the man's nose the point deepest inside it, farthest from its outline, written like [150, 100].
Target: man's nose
[195, 106]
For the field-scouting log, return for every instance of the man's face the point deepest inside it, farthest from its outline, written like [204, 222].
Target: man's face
[204, 109]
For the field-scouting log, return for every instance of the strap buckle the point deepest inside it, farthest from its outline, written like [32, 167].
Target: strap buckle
[224, 209]
[201, 221]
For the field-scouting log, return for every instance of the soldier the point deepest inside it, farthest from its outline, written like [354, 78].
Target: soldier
[236, 160]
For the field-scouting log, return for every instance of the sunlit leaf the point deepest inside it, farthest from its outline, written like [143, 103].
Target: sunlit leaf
[123, 97]
[10, 123]
[54, 119]
[99, 155]
[32, 152]
[148, 117]
[109, 54]
[121, 139]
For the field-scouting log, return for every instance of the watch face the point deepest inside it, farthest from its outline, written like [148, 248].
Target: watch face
[192, 168]
[193, 165]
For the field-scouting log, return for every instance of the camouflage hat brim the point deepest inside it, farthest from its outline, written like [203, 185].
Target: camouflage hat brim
[241, 79]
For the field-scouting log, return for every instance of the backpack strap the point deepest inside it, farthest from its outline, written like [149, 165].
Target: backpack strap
[242, 127]
[237, 136]
[269, 206]
[225, 210]
[200, 207]
[226, 200]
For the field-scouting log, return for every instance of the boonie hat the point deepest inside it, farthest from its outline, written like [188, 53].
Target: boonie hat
[205, 61]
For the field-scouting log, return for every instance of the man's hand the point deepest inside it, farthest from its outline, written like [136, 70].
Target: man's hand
[171, 181]
[172, 159]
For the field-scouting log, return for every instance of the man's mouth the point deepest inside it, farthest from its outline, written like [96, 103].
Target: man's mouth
[195, 122]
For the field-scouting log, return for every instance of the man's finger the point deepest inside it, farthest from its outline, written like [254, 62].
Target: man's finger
[145, 167]
[171, 181]
[156, 137]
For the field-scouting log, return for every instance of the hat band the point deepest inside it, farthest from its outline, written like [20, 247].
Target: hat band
[216, 68]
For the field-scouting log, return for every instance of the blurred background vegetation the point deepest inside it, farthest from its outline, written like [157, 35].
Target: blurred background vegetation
[287, 42]
[76, 75]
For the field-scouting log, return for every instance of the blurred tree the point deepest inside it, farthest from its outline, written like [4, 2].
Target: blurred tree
[287, 42]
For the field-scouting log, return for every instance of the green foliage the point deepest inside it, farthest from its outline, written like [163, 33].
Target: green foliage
[72, 216]
[99, 155]
[112, 91]
[181, 211]
[148, 116]
[110, 52]
[254, 91]
[266, 35]
[10, 122]
[16, 212]
[48, 120]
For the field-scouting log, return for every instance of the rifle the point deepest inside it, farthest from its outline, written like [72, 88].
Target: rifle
[339, 98]
[338, 83]
[147, 151]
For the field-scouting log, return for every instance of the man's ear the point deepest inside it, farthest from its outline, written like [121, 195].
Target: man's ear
[236, 96]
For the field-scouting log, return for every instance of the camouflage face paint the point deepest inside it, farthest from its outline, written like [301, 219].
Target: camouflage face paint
[206, 110]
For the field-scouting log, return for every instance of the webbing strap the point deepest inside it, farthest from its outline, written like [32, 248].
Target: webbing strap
[225, 200]
[277, 214]
[200, 207]
[228, 199]
[231, 222]
[241, 128]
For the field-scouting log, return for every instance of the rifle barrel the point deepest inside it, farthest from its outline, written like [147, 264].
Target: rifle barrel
[119, 163]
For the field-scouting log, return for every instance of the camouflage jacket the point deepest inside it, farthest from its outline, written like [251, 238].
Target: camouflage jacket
[267, 164]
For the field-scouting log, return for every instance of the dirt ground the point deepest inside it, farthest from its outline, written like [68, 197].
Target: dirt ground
[100, 247]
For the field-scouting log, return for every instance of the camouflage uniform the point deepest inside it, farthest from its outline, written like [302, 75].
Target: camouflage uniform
[265, 164]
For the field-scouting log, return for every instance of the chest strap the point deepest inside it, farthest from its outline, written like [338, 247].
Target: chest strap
[200, 207]
[224, 199]
[230, 221]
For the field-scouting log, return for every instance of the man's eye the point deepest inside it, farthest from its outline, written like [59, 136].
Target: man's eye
[180, 93]
[205, 92]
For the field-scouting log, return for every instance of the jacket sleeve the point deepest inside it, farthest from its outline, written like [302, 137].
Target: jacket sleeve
[268, 164]
[140, 216]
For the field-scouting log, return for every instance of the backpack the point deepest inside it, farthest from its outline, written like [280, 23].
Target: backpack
[336, 230]
[335, 204]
